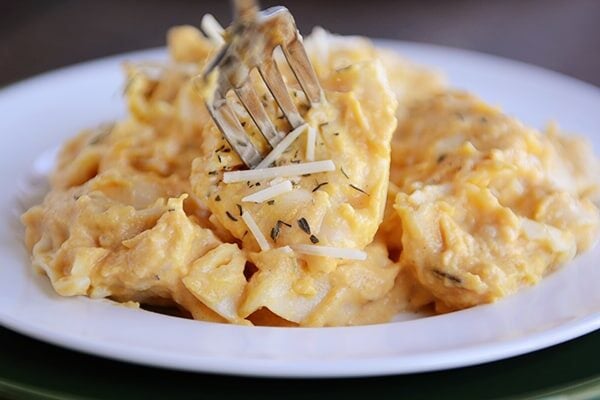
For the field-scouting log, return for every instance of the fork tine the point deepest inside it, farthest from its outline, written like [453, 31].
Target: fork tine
[272, 77]
[296, 57]
[252, 103]
[234, 133]
[263, 31]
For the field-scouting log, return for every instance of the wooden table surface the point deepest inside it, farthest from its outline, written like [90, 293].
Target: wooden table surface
[563, 35]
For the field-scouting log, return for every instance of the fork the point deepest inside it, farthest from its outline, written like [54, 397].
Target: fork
[251, 41]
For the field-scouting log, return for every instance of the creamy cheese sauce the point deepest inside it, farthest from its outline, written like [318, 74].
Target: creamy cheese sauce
[436, 201]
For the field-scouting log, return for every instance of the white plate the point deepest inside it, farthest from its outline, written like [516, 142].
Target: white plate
[39, 113]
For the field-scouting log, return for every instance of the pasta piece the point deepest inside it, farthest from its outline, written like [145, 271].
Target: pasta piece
[217, 280]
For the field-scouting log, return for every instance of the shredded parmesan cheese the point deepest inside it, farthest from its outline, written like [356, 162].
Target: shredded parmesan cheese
[282, 146]
[269, 193]
[334, 252]
[276, 181]
[212, 29]
[311, 137]
[285, 170]
[255, 230]
[286, 249]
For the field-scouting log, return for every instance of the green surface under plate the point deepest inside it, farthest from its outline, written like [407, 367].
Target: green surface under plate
[30, 369]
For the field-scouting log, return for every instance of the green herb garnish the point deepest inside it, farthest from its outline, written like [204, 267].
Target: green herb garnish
[359, 189]
[303, 224]
[231, 217]
[319, 186]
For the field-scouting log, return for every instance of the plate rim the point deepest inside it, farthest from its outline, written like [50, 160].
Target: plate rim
[583, 387]
[378, 366]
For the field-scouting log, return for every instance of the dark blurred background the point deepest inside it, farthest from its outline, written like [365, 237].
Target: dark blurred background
[563, 35]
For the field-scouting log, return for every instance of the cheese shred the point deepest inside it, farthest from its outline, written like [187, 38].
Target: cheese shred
[212, 29]
[269, 193]
[334, 252]
[282, 146]
[283, 171]
[255, 230]
[311, 137]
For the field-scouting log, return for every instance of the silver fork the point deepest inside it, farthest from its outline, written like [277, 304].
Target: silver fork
[250, 42]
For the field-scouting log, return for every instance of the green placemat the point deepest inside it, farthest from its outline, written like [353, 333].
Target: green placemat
[31, 369]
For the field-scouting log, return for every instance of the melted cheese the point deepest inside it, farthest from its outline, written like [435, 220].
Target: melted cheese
[348, 224]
